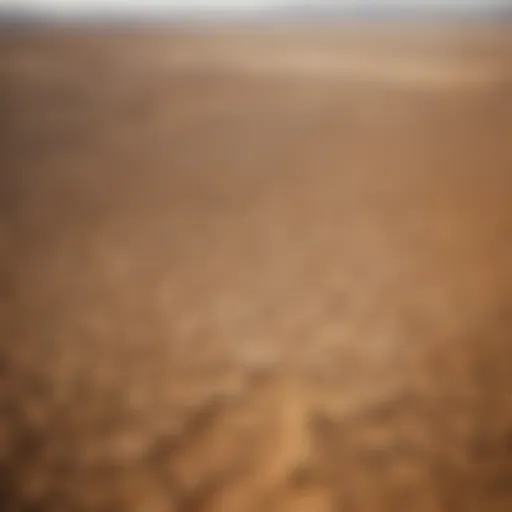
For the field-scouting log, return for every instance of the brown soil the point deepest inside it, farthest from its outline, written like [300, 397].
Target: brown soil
[256, 272]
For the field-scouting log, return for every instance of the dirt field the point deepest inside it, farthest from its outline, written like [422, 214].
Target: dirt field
[256, 271]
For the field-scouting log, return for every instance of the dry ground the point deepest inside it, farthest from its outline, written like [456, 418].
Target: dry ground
[256, 271]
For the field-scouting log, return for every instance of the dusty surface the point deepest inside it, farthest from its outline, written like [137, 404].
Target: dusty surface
[256, 273]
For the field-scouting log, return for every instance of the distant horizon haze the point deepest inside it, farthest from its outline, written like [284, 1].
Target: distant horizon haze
[221, 8]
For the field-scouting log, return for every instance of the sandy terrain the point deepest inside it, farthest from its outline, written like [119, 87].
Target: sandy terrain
[256, 272]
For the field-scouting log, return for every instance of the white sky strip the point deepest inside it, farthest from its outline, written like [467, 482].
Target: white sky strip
[180, 6]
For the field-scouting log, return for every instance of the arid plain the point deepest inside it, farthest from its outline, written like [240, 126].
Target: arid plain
[256, 270]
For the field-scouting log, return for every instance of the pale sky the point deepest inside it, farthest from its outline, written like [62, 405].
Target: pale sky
[172, 4]
[213, 5]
